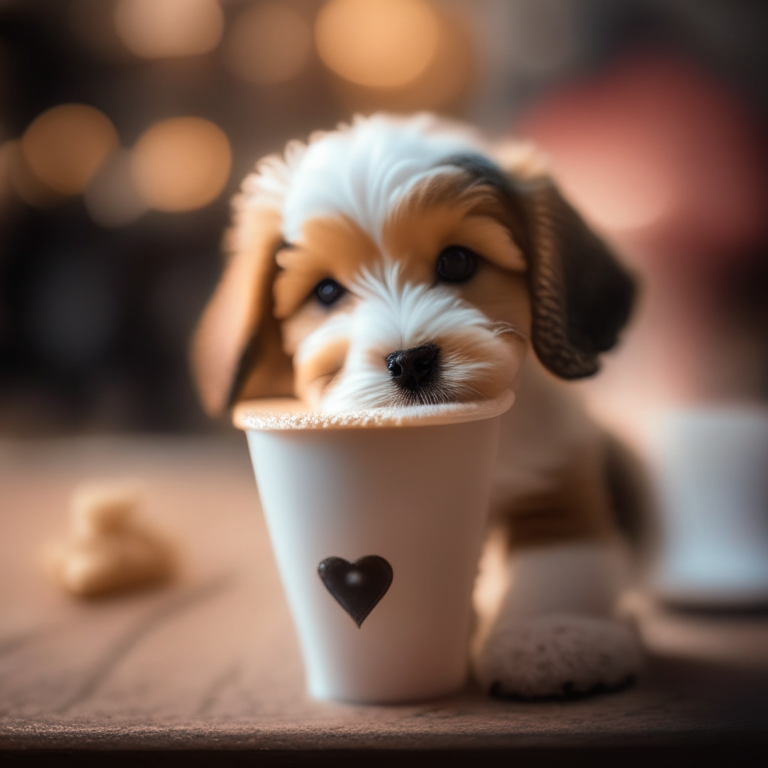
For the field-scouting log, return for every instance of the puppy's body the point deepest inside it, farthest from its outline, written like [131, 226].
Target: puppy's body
[396, 262]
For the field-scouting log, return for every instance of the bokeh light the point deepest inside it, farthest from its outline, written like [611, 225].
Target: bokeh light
[155, 29]
[181, 164]
[268, 44]
[65, 146]
[450, 75]
[112, 198]
[444, 85]
[22, 182]
[377, 43]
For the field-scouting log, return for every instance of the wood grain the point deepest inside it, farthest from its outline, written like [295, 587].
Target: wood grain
[211, 661]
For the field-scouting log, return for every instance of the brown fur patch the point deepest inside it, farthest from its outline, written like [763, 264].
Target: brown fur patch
[317, 372]
[501, 295]
[576, 508]
[310, 316]
[241, 306]
[330, 248]
[443, 211]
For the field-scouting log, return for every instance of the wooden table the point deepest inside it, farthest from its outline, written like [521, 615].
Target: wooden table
[207, 670]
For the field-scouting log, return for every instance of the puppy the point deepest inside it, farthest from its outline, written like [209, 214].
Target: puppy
[400, 261]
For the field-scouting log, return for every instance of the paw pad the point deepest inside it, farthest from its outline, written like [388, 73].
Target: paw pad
[558, 657]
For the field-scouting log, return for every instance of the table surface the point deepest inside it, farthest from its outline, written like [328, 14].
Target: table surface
[211, 661]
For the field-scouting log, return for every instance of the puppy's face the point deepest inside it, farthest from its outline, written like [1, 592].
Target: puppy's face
[392, 262]
[437, 310]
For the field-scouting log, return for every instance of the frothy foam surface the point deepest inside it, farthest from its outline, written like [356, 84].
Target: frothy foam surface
[286, 413]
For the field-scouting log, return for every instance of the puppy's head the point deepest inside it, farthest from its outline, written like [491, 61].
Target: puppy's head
[394, 262]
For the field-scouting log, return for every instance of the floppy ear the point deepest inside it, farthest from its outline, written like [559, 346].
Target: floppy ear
[581, 296]
[237, 351]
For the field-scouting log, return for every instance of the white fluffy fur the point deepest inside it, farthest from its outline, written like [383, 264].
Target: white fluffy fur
[391, 314]
[583, 577]
[360, 170]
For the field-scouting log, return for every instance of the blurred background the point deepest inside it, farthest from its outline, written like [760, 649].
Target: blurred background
[126, 126]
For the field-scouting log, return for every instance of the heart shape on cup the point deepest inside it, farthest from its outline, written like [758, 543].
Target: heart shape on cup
[357, 587]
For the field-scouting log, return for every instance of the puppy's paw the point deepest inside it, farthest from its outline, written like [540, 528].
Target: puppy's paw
[558, 655]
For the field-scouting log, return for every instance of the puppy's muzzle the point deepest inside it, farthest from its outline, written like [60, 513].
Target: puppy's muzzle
[415, 368]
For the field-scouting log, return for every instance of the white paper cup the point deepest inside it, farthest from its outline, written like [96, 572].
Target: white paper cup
[712, 480]
[404, 487]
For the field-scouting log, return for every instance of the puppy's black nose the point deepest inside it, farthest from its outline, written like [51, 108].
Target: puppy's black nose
[415, 367]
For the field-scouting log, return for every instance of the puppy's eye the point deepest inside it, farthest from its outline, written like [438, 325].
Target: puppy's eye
[456, 264]
[329, 291]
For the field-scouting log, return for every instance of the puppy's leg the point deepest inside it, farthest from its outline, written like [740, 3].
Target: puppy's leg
[556, 633]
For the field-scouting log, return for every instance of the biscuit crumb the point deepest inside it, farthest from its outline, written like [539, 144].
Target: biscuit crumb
[109, 549]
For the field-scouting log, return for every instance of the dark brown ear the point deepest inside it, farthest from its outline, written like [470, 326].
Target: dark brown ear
[237, 351]
[581, 296]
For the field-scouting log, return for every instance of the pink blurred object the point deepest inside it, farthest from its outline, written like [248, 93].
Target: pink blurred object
[657, 148]
[670, 165]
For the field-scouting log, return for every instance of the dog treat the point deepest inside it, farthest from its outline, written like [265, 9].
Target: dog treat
[109, 550]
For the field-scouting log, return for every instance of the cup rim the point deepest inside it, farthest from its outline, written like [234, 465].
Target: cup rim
[285, 413]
